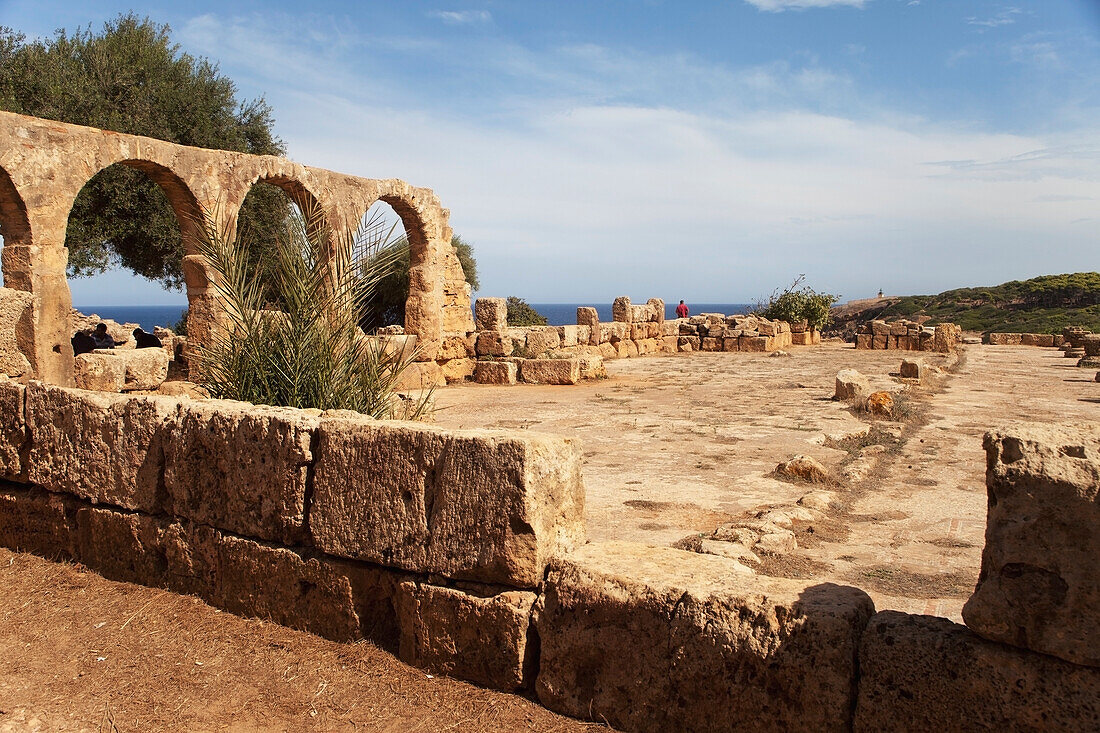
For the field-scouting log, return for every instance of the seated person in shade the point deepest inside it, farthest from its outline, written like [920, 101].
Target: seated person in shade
[101, 338]
[143, 340]
[82, 343]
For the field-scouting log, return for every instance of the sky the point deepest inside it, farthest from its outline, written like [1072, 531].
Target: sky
[711, 151]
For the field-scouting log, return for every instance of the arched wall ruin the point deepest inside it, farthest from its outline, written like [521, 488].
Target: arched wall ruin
[44, 164]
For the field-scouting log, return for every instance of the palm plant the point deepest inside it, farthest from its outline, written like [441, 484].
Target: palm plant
[310, 351]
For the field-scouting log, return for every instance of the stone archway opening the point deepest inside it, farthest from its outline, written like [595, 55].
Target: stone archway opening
[127, 233]
[15, 226]
[383, 233]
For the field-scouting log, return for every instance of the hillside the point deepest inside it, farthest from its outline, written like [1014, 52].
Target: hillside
[1040, 305]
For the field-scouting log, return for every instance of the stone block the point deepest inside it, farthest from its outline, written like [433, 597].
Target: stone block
[629, 348]
[99, 372]
[1039, 587]
[899, 329]
[483, 639]
[145, 369]
[767, 328]
[913, 369]
[454, 347]
[657, 309]
[542, 340]
[734, 651]
[329, 598]
[639, 331]
[641, 314]
[731, 343]
[36, 521]
[495, 372]
[421, 375]
[16, 331]
[457, 370]
[241, 467]
[494, 343]
[550, 371]
[567, 336]
[851, 385]
[474, 505]
[1044, 339]
[491, 314]
[880, 342]
[757, 344]
[106, 448]
[711, 344]
[880, 328]
[621, 310]
[13, 429]
[927, 673]
[1029, 339]
[669, 344]
[592, 367]
[617, 331]
[947, 336]
[608, 351]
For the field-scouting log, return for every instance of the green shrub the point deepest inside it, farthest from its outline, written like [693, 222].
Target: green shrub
[311, 352]
[799, 304]
[522, 314]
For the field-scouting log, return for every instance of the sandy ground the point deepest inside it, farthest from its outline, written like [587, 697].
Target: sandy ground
[673, 446]
[676, 444]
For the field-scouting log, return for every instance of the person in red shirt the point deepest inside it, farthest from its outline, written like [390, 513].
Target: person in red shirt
[682, 310]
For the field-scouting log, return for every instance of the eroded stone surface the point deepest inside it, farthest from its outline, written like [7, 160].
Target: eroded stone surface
[655, 639]
[16, 318]
[99, 372]
[241, 467]
[13, 429]
[475, 505]
[851, 385]
[927, 673]
[107, 448]
[495, 372]
[550, 371]
[483, 639]
[33, 520]
[1039, 587]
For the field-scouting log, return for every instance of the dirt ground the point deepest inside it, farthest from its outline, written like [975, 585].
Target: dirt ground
[678, 444]
[673, 445]
[80, 653]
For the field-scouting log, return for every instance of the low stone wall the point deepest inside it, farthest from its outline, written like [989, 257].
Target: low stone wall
[637, 330]
[430, 542]
[462, 551]
[1022, 339]
[908, 336]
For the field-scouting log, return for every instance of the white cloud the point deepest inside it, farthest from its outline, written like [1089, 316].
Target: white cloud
[600, 173]
[462, 17]
[778, 6]
[1006, 16]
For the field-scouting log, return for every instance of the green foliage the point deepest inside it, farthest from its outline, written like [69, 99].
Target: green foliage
[1044, 304]
[466, 259]
[180, 329]
[312, 352]
[131, 78]
[522, 314]
[799, 304]
[388, 308]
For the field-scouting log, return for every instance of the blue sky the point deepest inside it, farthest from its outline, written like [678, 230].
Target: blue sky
[710, 150]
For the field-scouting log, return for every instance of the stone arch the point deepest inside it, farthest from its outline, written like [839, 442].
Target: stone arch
[15, 226]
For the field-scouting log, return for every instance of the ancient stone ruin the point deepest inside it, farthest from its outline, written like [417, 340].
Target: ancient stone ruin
[909, 336]
[44, 164]
[463, 552]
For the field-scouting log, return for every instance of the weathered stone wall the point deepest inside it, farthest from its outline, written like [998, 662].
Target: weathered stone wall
[638, 330]
[44, 164]
[328, 522]
[909, 336]
[462, 552]
[1022, 339]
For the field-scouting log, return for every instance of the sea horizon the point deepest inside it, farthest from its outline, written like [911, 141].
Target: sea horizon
[556, 314]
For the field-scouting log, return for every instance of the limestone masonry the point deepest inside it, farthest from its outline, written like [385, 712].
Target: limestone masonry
[463, 552]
